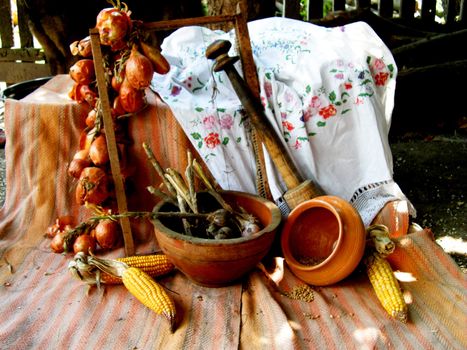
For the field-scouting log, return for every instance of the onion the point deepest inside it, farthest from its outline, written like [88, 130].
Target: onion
[108, 233]
[86, 138]
[82, 72]
[113, 26]
[98, 151]
[93, 186]
[75, 93]
[76, 167]
[117, 80]
[84, 47]
[88, 95]
[84, 243]
[57, 242]
[138, 70]
[117, 108]
[159, 62]
[91, 118]
[52, 230]
[65, 221]
[132, 99]
[81, 47]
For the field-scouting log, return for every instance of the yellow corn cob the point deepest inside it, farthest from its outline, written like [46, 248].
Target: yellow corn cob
[82, 267]
[154, 265]
[386, 286]
[149, 293]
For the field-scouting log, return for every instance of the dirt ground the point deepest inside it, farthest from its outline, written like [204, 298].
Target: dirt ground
[432, 172]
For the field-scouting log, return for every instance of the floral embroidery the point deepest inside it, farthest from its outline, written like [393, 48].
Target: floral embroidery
[287, 125]
[175, 90]
[381, 78]
[268, 89]
[327, 112]
[209, 122]
[226, 121]
[212, 140]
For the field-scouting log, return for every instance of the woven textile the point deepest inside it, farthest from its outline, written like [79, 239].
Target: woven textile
[43, 307]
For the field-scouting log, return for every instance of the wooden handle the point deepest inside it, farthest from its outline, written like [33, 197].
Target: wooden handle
[218, 51]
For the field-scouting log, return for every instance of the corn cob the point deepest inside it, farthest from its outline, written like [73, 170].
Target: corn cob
[149, 293]
[141, 285]
[386, 286]
[154, 265]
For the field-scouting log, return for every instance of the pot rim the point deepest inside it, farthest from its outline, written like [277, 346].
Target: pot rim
[270, 228]
[316, 202]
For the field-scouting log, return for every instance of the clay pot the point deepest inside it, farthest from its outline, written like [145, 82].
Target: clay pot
[219, 262]
[323, 240]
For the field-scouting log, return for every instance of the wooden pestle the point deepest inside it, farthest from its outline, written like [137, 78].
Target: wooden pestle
[298, 190]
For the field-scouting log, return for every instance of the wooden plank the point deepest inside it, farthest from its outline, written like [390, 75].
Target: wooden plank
[25, 35]
[338, 5]
[407, 9]
[451, 12]
[14, 72]
[111, 141]
[291, 9]
[362, 4]
[6, 26]
[195, 21]
[463, 12]
[386, 8]
[25, 55]
[315, 9]
[428, 11]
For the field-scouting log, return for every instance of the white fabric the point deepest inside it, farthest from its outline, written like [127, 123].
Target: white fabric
[328, 92]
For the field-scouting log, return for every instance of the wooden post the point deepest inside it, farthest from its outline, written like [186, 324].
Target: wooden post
[111, 142]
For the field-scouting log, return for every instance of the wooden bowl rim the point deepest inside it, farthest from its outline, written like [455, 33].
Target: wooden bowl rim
[270, 228]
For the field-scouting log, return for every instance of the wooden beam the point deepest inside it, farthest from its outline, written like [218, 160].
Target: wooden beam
[6, 27]
[14, 72]
[24, 55]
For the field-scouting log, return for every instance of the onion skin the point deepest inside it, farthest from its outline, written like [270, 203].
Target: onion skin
[92, 187]
[81, 47]
[84, 243]
[98, 151]
[107, 233]
[82, 72]
[113, 26]
[76, 167]
[75, 93]
[131, 99]
[117, 108]
[159, 62]
[91, 118]
[57, 242]
[138, 70]
[88, 95]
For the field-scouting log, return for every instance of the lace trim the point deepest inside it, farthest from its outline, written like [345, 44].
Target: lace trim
[371, 198]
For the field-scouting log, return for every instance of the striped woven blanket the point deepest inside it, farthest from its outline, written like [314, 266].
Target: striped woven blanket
[43, 307]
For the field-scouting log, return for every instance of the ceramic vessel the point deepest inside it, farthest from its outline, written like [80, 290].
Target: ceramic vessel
[217, 263]
[323, 240]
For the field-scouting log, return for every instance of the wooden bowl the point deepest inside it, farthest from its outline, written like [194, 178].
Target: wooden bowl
[323, 240]
[222, 262]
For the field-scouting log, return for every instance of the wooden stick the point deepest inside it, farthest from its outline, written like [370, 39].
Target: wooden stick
[111, 141]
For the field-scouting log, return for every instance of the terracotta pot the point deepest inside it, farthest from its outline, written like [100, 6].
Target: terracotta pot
[323, 240]
[217, 263]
